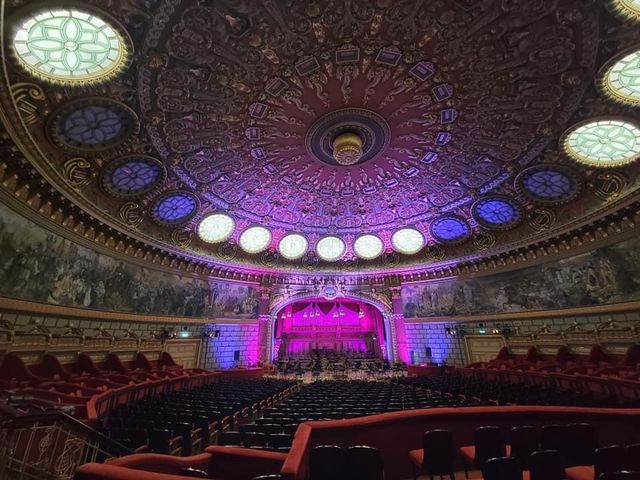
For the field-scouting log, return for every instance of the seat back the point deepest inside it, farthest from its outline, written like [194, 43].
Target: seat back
[609, 459]
[633, 457]
[438, 452]
[546, 465]
[364, 463]
[524, 441]
[326, 462]
[582, 443]
[555, 437]
[489, 443]
[623, 475]
[501, 468]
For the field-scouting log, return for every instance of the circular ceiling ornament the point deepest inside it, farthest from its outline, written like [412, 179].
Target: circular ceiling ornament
[216, 228]
[72, 46]
[549, 184]
[132, 176]
[496, 212]
[92, 124]
[627, 8]
[348, 136]
[174, 207]
[368, 246]
[603, 142]
[621, 78]
[450, 229]
[293, 246]
[407, 241]
[331, 249]
[255, 239]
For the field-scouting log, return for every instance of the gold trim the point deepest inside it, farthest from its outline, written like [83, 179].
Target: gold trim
[605, 85]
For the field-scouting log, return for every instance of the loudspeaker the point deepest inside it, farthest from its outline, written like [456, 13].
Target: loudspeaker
[236, 355]
[427, 351]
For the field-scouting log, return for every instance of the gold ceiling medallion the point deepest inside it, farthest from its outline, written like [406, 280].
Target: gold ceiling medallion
[132, 214]
[29, 99]
[78, 172]
[541, 219]
[347, 148]
[484, 240]
[181, 238]
[609, 186]
[269, 258]
[227, 251]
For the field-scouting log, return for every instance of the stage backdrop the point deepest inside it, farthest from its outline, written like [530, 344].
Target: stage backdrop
[606, 275]
[36, 264]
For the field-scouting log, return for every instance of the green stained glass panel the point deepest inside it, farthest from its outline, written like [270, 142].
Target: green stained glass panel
[604, 142]
[623, 78]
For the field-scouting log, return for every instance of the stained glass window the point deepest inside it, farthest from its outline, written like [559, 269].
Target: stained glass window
[604, 142]
[630, 8]
[255, 239]
[92, 125]
[175, 207]
[368, 247]
[293, 246]
[450, 229]
[132, 175]
[331, 248]
[496, 212]
[407, 241]
[216, 227]
[622, 79]
[69, 45]
[548, 185]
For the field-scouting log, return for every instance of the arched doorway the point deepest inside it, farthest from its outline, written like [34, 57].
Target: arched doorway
[302, 323]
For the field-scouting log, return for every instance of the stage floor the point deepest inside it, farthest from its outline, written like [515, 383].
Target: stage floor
[308, 377]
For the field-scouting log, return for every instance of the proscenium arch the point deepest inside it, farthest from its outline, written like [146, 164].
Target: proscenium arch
[391, 344]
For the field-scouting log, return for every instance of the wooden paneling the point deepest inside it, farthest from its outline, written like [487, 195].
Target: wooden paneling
[483, 348]
[184, 352]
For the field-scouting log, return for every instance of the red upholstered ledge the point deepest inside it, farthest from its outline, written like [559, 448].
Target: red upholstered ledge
[221, 463]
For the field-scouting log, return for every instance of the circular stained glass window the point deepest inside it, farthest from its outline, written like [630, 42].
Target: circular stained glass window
[368, 247]
[622, 78]
[69, 45]
[216, 228]
[450, 229]
[629, 8]
[549, 184]
[255, 239]
[605, 142]
[496, 212]
[91, 124]
[331, 249]
[132, 175]
[293, 246]
[407, 241]
[174, 207]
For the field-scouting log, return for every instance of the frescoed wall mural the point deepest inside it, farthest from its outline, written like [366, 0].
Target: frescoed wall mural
[606, 275]
[36, 264]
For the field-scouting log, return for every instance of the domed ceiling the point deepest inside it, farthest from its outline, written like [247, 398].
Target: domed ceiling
[353, 135]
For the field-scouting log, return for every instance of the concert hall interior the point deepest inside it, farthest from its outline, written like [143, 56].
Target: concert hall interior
[320, 239]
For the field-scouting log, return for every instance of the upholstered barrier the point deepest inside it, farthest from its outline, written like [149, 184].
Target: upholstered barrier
[396, 433]
[221, 463]
[242, 373]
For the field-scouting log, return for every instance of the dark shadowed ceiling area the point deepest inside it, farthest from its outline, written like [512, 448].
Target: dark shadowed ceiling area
[351, 136]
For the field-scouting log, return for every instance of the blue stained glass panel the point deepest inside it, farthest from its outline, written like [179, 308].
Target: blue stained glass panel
[548, 184]
[449, 229]
[92, 125]
[496, 211]
[134, 176]
[175, 207]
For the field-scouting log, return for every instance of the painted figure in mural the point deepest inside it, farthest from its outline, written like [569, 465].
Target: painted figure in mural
[37, 265]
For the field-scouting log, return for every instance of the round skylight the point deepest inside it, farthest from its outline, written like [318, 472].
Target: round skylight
[255, 239]
[331, 248]
[603, 142]
[216, 228]
[629, 8]
[293, 246]
[496, 212]
[450, 229]
[69, 45]
[622, 79]
[368, 247]
[407, 241]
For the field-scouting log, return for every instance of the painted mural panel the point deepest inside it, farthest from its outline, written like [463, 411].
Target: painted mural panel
[607, 275]
[36, 264]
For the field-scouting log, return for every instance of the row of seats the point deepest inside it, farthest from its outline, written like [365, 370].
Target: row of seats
[188, 420]
[552, 452]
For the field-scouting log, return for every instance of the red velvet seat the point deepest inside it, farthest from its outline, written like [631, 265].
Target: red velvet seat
[489, 442]
[436, 455]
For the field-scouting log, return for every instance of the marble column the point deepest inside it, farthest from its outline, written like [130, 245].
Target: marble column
[402, 352]
[263, 325]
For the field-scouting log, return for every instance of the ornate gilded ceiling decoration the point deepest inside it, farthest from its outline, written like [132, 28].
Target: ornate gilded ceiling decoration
[311, 134]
